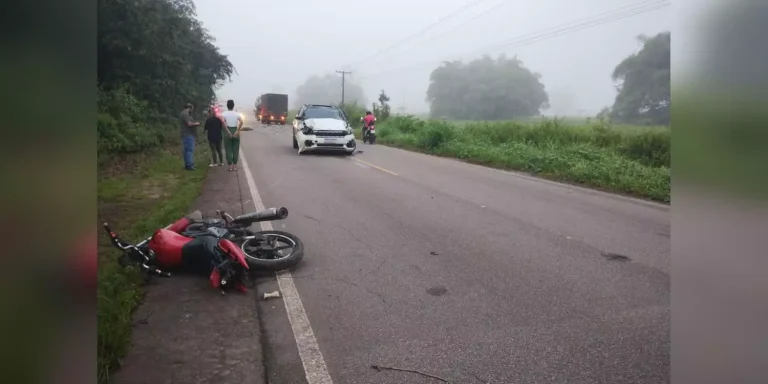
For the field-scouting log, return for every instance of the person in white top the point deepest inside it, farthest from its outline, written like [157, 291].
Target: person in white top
[234, 123]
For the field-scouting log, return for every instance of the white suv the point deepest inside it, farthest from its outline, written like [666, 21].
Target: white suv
[319, 127]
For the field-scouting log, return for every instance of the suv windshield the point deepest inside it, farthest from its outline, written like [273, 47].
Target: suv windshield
[323, 113]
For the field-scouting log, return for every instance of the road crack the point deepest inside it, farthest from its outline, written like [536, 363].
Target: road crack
[375, 269]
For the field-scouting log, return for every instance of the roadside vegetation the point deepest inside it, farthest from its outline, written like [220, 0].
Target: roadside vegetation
[136, 194]
[153, 57]
[627, 159]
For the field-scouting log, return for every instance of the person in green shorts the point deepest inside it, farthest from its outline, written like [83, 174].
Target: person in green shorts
[232, 143]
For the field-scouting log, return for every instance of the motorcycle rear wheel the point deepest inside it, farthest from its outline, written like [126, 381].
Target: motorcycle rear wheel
[263, 256]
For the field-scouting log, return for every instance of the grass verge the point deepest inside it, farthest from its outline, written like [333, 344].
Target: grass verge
[623, 159]
[136, 195]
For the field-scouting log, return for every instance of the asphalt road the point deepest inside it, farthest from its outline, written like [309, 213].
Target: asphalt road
[463, 272]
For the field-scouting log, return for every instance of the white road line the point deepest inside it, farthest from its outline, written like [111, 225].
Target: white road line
[315, 369]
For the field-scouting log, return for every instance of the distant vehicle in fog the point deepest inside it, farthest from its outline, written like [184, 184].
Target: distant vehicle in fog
[272, 108]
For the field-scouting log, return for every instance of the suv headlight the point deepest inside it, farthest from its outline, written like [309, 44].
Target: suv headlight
[307, 130]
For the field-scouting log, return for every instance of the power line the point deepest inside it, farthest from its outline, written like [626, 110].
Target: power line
[428, 27]
[487, 11]
[555, 31]
[605, 17]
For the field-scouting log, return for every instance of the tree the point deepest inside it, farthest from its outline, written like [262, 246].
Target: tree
[644, 92]
[327, 90]
[153, 57]
[160, 51]
[485, 89]
[382, 109]
[604, 114]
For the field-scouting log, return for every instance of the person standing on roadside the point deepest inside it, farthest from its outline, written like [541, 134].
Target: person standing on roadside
[188, 136]
[234, 123]
[215, 127]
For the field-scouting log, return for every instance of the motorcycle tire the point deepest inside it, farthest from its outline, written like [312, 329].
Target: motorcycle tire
[285, 262]
[372, 139]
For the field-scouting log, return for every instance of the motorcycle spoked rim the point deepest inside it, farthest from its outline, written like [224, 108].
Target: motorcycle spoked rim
[289, 240]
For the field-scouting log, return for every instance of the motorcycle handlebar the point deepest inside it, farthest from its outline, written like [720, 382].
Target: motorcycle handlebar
[114, 238]
[119, 244]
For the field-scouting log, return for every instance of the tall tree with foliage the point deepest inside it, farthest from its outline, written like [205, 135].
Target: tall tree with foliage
[486, 89]
[153, 57]
[644, 91]
[382, 109]
[327, 90]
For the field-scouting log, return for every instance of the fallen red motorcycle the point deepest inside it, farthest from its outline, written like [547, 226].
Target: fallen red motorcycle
[221, 249]
[269, 250]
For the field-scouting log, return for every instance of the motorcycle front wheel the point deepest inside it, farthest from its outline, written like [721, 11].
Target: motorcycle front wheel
[273, 250]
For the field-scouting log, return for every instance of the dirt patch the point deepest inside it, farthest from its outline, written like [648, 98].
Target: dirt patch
[156, 188]
[122, 213]
[119, 165]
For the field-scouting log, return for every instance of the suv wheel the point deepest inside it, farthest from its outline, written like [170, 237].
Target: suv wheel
[295, 143]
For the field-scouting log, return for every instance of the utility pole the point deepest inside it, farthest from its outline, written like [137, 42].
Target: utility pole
[343, 75]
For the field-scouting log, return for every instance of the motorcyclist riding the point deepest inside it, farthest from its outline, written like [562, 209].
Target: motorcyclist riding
[368, 120]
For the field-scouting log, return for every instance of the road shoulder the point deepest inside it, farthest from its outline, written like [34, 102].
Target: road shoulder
[185, 331]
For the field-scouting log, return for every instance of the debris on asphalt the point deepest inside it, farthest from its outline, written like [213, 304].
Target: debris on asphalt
[437, 290]
[271, 295]
[145, 320]
[380, 367]
[359, 151]
[482, 206]
[433, 253]
[614, 256]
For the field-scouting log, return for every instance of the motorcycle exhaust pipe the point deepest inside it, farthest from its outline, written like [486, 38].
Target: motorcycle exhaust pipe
[268, 214]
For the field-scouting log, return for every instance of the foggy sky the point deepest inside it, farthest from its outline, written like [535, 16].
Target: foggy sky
[276, 45]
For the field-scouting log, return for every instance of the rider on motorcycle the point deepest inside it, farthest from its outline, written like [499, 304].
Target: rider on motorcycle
[368, 120]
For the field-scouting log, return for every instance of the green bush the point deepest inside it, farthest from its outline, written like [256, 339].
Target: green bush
[126, 125]
[651, 147]
[627, 159]
[435, 135]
